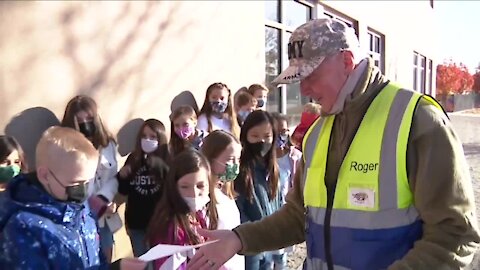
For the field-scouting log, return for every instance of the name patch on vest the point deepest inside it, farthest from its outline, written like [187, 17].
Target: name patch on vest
[363, 167]
[362, 197]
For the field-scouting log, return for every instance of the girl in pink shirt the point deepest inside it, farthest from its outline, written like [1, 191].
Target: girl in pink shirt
[187, 204]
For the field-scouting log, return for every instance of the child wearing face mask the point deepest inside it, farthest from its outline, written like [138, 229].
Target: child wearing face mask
[287, 154]
[44, 223]
[258, 185]
[12, 160]
[82, 115]
[186, 205]
[217, 110]
[141, 180]
[245, 103]
[223, 150]
[259, 92]
[311, 112]
[287, 158]
[184, 134]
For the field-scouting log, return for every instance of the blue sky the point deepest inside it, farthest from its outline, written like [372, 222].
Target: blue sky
[458, 31]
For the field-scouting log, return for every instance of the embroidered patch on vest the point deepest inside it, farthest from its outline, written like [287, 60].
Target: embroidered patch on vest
[362, 197]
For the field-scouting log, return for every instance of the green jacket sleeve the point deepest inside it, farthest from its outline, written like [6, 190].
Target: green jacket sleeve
[440, 180]
[284, 228]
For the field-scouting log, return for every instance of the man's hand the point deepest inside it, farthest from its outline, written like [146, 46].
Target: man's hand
[132, 264]
[214, 255]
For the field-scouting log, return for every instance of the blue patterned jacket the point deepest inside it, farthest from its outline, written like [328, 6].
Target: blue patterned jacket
[39, 232]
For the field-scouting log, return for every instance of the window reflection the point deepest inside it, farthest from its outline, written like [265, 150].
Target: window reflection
[272, 66]
[296, 13]
[295, 102]
[271, 10]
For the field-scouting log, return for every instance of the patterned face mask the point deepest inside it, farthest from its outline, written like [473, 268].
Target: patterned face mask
[185, 132]
[282, 140]
[219, 106]
[230, 173]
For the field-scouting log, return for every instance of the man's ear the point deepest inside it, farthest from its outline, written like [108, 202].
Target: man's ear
[348, 61]
[42, 174]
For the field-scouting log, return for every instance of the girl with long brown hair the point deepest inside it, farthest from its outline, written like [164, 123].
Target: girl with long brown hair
[183, 133]
[217, 111]
[82, 114]
[12, 160]
[141, 180]
[257, 184]
[187, 204]
[223, 150]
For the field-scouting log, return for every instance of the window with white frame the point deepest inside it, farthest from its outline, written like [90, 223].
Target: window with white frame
[281, 19]
[334, 14]
[377, 48]
[422, 74]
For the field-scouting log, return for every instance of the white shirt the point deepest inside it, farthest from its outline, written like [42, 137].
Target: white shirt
[106, 183]
[217, 123]
[229, 218]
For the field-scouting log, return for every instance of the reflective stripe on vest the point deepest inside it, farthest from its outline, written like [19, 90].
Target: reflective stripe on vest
[373, 201]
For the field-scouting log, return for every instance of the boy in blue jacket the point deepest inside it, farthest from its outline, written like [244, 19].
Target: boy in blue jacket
[43, 221]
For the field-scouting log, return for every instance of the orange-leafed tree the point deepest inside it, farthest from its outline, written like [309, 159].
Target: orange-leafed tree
[476, 82]
[465, 80]
[453, 79]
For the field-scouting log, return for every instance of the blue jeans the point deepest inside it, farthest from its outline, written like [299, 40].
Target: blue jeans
[137, 238]
[106, 237]
[262, 261]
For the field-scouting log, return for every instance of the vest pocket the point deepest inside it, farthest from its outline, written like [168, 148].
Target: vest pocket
[379, 248]
[374, 250]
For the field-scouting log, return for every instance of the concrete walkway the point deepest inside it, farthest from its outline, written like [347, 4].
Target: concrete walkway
[472, 152]
[467, 127]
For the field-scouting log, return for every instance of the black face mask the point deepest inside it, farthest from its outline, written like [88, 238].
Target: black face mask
[87, 128]
[260, 148]
[76, 194]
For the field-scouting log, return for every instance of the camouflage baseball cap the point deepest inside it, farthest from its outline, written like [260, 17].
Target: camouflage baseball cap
[311, 43]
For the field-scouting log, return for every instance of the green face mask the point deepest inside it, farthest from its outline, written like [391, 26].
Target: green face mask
[8, 172]
[231, 172]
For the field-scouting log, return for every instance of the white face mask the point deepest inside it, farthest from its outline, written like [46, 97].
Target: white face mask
[197, 203]
[148, 146]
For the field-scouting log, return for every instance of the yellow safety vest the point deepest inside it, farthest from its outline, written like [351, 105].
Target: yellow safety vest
[372, 220]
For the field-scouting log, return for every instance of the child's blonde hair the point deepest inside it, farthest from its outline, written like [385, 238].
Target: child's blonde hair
[245, 98]
[256, 86]
[312, 108]
[57, 143]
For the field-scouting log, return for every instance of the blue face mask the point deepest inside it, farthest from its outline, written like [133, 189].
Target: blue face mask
[243, 115]
[219, 106]
[261, 102]
[282, 140]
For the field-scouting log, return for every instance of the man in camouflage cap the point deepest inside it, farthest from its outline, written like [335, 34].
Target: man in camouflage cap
[383, 183]
[311, 43]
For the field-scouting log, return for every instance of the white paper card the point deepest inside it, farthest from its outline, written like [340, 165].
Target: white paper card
[161, 250]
